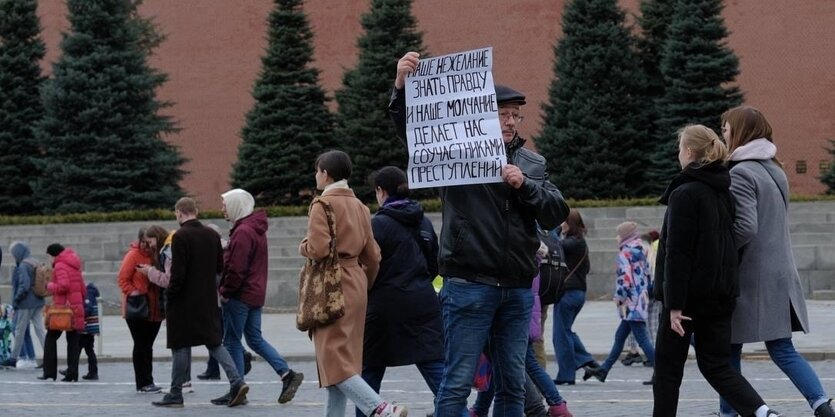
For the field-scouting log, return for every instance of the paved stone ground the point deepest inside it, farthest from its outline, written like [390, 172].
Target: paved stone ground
[622, 394]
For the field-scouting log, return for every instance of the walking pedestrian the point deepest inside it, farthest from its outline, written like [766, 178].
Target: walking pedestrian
[630, 298]
[771, 304]
[243, 288]
[338, 346]
[696, 278]
[28, 306]
[68, 289]
[191, 306]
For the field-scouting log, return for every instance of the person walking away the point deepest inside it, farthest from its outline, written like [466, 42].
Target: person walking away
[630, 298]
[771, 304]
[397, 336]
[191, 306]
[487, 258]
[696, 277]
[67, 288]
[338, 345]
[28, 306]
[570, 351]
[243, 288]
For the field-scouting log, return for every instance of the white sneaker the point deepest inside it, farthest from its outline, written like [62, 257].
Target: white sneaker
[391, 410]
[187, 388]
[26, 364]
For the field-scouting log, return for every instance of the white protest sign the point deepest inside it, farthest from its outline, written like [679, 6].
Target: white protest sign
[452, 125]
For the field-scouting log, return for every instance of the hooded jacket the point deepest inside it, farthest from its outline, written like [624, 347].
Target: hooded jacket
[23, 277]
[67, 285]
[246, 261]
[696, 268]
[394, 335]
[489, 230]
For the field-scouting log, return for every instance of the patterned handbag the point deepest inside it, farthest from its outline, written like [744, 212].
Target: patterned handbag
[320, 284]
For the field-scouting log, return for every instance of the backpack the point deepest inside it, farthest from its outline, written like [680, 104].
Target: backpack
[552, 270]
[43, 274]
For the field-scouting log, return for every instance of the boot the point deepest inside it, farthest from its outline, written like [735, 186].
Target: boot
[559, 410]
[170, 401]
[599, 373]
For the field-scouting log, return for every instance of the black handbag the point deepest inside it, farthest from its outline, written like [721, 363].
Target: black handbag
[136, 307]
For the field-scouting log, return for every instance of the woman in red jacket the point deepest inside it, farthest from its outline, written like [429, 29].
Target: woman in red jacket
[133, 282]
[67, 288]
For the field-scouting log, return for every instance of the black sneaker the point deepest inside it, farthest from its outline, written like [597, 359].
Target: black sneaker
[223, 400]
[170, 401]
[289, 385]
[237, 395]
[825, 410]
[149, 389]
[247, 362]
[632, 357]
[208, 376]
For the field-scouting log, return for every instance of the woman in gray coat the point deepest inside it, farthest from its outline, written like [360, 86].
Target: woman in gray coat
[770, 305]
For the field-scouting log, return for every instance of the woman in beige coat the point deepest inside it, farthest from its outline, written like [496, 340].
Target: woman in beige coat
[338, 345]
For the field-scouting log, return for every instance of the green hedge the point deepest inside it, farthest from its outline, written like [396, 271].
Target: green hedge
[433, 205]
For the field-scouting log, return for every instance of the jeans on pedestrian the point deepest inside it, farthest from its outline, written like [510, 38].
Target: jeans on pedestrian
[355, 389]
[639, 329]
[242, 320]
[181, 367]
[786, 357]
[570, 351]
[473, 313]
[432, 372]
[22, 318]
[541, 379]
[212, 368]
[533, 400]
[28, 351]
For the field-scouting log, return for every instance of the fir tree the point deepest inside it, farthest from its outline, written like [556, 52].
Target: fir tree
[289, 124]
[699, 70]
[102, 130]
[594, 131]
[828, 178]
[21, 50]
[364, 129]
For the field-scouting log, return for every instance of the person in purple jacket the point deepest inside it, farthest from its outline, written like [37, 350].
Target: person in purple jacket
[243, 288]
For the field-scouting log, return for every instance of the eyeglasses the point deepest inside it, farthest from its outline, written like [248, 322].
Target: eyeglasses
[505, 114]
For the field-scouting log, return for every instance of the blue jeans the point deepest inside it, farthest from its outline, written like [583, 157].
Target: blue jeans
[473, 313]
[28, 351]
[784, 355]
[431, 371]
[242, 320]
[570, 351]
[535, 374]
[639, 330]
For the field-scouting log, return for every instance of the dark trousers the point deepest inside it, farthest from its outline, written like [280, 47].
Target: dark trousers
[144, 333]
[712, 337]
[86, 342]
[50, 354]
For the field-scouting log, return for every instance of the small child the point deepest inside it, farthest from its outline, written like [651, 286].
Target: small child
[91, 329]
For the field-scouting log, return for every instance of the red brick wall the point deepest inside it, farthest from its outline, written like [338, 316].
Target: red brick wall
[213, 50]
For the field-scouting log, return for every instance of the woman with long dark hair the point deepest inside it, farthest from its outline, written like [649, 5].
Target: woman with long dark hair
[771, 301]
[570, 351]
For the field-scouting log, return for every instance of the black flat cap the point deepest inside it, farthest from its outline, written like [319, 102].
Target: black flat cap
[507, 95]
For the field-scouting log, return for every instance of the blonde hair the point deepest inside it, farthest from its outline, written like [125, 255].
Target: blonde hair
[704, 143]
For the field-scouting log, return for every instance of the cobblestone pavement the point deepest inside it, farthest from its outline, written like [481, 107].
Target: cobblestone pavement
[115, 396]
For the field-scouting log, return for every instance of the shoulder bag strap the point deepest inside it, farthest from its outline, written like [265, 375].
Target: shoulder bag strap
[585, 255]
[331, 226]
[783, 195]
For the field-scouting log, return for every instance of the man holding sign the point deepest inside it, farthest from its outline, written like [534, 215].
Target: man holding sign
[488, 238]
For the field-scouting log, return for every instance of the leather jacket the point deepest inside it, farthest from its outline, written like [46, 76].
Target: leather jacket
[489, 230]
